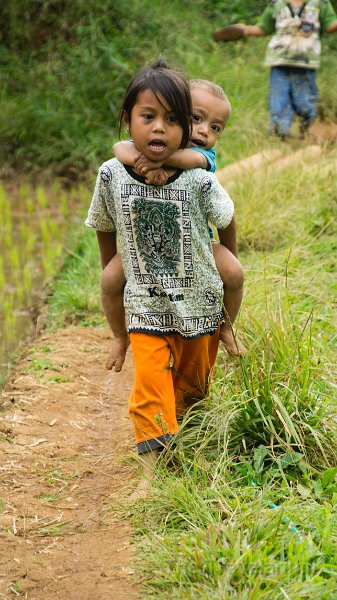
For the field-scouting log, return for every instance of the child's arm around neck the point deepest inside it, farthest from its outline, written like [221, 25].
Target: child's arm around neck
[187, 158]
[126, 153]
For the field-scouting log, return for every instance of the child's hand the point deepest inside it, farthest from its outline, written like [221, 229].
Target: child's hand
[116, 358]
[157, 177]
[143, 165]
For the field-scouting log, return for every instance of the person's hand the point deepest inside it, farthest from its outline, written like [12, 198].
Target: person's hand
[156, 177]
[116, 358]
[143, 165]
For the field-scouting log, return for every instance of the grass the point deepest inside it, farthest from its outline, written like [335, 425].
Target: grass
[74, 294]
[59, 107]
[33, 232]
[244, 505]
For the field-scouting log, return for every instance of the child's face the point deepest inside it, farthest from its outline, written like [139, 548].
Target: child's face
[153, 127]
[209, 117]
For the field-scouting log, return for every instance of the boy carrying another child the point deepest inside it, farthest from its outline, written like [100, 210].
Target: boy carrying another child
[210, 113]
[173, 291]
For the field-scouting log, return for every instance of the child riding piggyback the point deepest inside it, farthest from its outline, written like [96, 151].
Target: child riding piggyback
[210, 113]
[173, 291]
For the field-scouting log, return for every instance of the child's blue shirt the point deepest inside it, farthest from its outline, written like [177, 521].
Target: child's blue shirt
[210, 156]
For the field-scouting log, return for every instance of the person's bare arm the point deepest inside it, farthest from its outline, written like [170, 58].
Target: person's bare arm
[252, 30]
[187, 159]
[332, 28]
[113, 305]
[107, 242]
[126, 152]
[227, 237]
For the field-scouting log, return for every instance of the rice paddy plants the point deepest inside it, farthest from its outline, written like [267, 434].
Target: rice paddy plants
[34, 228]
[64, 204]
[2, 274]
[41, 197]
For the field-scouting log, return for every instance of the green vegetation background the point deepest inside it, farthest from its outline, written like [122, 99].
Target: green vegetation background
[245, 508]
[64, 67]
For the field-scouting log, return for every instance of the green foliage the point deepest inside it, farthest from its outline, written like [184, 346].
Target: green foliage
[236, 11]
[62, 104]
[32, 23]
[244, 505]
[75, 293]
[65, 66]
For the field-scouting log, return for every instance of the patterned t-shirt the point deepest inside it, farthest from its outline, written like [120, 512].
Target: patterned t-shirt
[297, 29]
[173, 286]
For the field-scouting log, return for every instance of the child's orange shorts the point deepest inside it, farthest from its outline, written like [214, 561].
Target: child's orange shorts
[170, 373]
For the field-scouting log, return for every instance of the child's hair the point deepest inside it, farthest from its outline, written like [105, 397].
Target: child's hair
[166, 83]
[213, 88]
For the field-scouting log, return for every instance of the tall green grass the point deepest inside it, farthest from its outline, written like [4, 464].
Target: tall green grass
[63, 74]
[243, 506]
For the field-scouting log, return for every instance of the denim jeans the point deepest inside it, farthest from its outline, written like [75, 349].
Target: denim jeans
[292, 91]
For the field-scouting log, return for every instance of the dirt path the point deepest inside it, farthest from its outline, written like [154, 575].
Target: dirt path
[64, 431]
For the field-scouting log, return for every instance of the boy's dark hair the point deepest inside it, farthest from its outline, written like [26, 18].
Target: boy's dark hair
[168, 83]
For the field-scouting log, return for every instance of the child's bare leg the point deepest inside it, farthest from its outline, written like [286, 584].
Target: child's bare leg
[148, 460]
[112, 286]
[231, 273]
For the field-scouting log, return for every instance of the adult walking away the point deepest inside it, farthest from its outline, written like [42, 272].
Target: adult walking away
[293, 54]
[173, 292]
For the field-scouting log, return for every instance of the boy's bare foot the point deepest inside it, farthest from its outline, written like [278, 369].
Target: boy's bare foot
[232, 345]
[117, 355]
[148, 460]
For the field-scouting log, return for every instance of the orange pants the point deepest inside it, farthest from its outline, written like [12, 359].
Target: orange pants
[170, 373]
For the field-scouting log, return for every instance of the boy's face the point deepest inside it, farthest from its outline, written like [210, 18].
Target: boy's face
[153, 126]
[209, 117]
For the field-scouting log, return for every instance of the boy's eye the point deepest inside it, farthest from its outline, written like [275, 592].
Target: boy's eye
[216, 128]
[172, 119]
[147, 116]
[196, 118]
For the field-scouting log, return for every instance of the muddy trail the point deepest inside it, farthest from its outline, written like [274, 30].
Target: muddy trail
[64, 438]
[64, 433]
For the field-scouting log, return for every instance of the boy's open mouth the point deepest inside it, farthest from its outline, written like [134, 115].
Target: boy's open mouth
[198, 143]
[157, 146]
